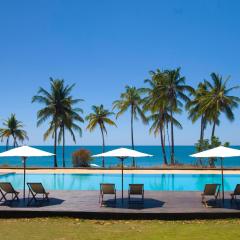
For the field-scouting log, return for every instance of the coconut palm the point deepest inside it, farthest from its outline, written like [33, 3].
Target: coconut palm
[58, 104]
[70, 122]
[175, 91]
[194, 107]
[157, 106]
[159, 121]
[13, 128]
[194, 110]
[131, 99]
[67, 122]
[217, 100]
[100, 117]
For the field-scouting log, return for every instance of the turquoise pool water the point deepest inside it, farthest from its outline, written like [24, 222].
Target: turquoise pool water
[153, 182]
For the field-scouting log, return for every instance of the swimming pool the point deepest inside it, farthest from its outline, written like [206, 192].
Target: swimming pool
[153, 182]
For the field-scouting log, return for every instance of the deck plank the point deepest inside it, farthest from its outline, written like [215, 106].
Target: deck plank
[157, 203]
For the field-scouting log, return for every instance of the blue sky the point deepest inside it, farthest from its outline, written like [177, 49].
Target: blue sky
[103, 45]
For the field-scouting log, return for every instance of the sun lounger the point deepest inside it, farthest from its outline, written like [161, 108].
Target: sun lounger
[210, 190]
[235, 193]
[36, 189]
[107, 189]
[136, 189]
[7, 188]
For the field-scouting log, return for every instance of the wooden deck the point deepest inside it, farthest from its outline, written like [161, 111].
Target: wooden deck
[157, 205]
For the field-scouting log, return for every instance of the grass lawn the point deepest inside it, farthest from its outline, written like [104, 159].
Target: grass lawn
[70, 229]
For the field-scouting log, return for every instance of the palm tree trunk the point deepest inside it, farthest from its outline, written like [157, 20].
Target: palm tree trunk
[172, 139]
[163, 146]
[168, 139]
[63, 146]
[133, 159]
[103, 146]
[164, 135]
[55, 145]
[202, 129]
[7, 143]
[199, 161]
[213, 129]
[14, 140]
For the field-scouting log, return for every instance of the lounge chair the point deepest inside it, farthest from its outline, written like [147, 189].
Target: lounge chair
[7, 188]
[107, 189]
[210, 190]
[136, 189]
[36, 189]
[235, 193]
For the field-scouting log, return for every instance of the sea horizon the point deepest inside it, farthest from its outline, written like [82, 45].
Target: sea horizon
[181, 155]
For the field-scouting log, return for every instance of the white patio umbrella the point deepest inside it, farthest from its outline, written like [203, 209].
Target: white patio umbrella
[218, 152]
[122, 154]
[24, 152]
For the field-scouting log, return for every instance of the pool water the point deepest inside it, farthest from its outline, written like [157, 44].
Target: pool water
[153, 182]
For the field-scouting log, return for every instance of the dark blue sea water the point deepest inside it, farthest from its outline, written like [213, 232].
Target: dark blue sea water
[181, 154]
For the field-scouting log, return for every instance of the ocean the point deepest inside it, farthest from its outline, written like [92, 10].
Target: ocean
[181, 155]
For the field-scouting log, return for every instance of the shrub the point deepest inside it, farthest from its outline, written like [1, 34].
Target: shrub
[81, 158]
[205, 144]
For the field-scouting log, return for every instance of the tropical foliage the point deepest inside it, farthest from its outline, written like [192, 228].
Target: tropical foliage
[194, 108]
[165, 96]
[216, 100]
[205, 144]
[81, 158]
[210, 100]
[131, 100]
[157, 106]
[100, 117]
[13, 128]
[59, 108]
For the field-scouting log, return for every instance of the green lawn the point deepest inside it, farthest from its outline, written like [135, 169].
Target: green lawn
[70, 229]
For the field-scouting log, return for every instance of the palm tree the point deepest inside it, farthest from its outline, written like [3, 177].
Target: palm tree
[159, 120]
[13, 128]
[132, 99]
[100, 117]
[194, 110]
[157, 106]
[217, 100]
[194, 107]
[70, 123]
[174, 90]
[67, 122]
[57, 107]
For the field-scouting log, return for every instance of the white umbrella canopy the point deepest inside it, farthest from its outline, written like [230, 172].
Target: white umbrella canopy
[218, 152]
[122, 153]
[24, 152]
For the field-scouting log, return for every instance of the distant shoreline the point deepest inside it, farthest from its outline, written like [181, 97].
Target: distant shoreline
[117, 171]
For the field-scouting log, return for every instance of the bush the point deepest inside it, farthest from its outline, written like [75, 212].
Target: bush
[81, 158]
[205, 144]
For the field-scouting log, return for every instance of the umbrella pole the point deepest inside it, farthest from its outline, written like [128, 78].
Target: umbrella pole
[222, 181]
[24, 176]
